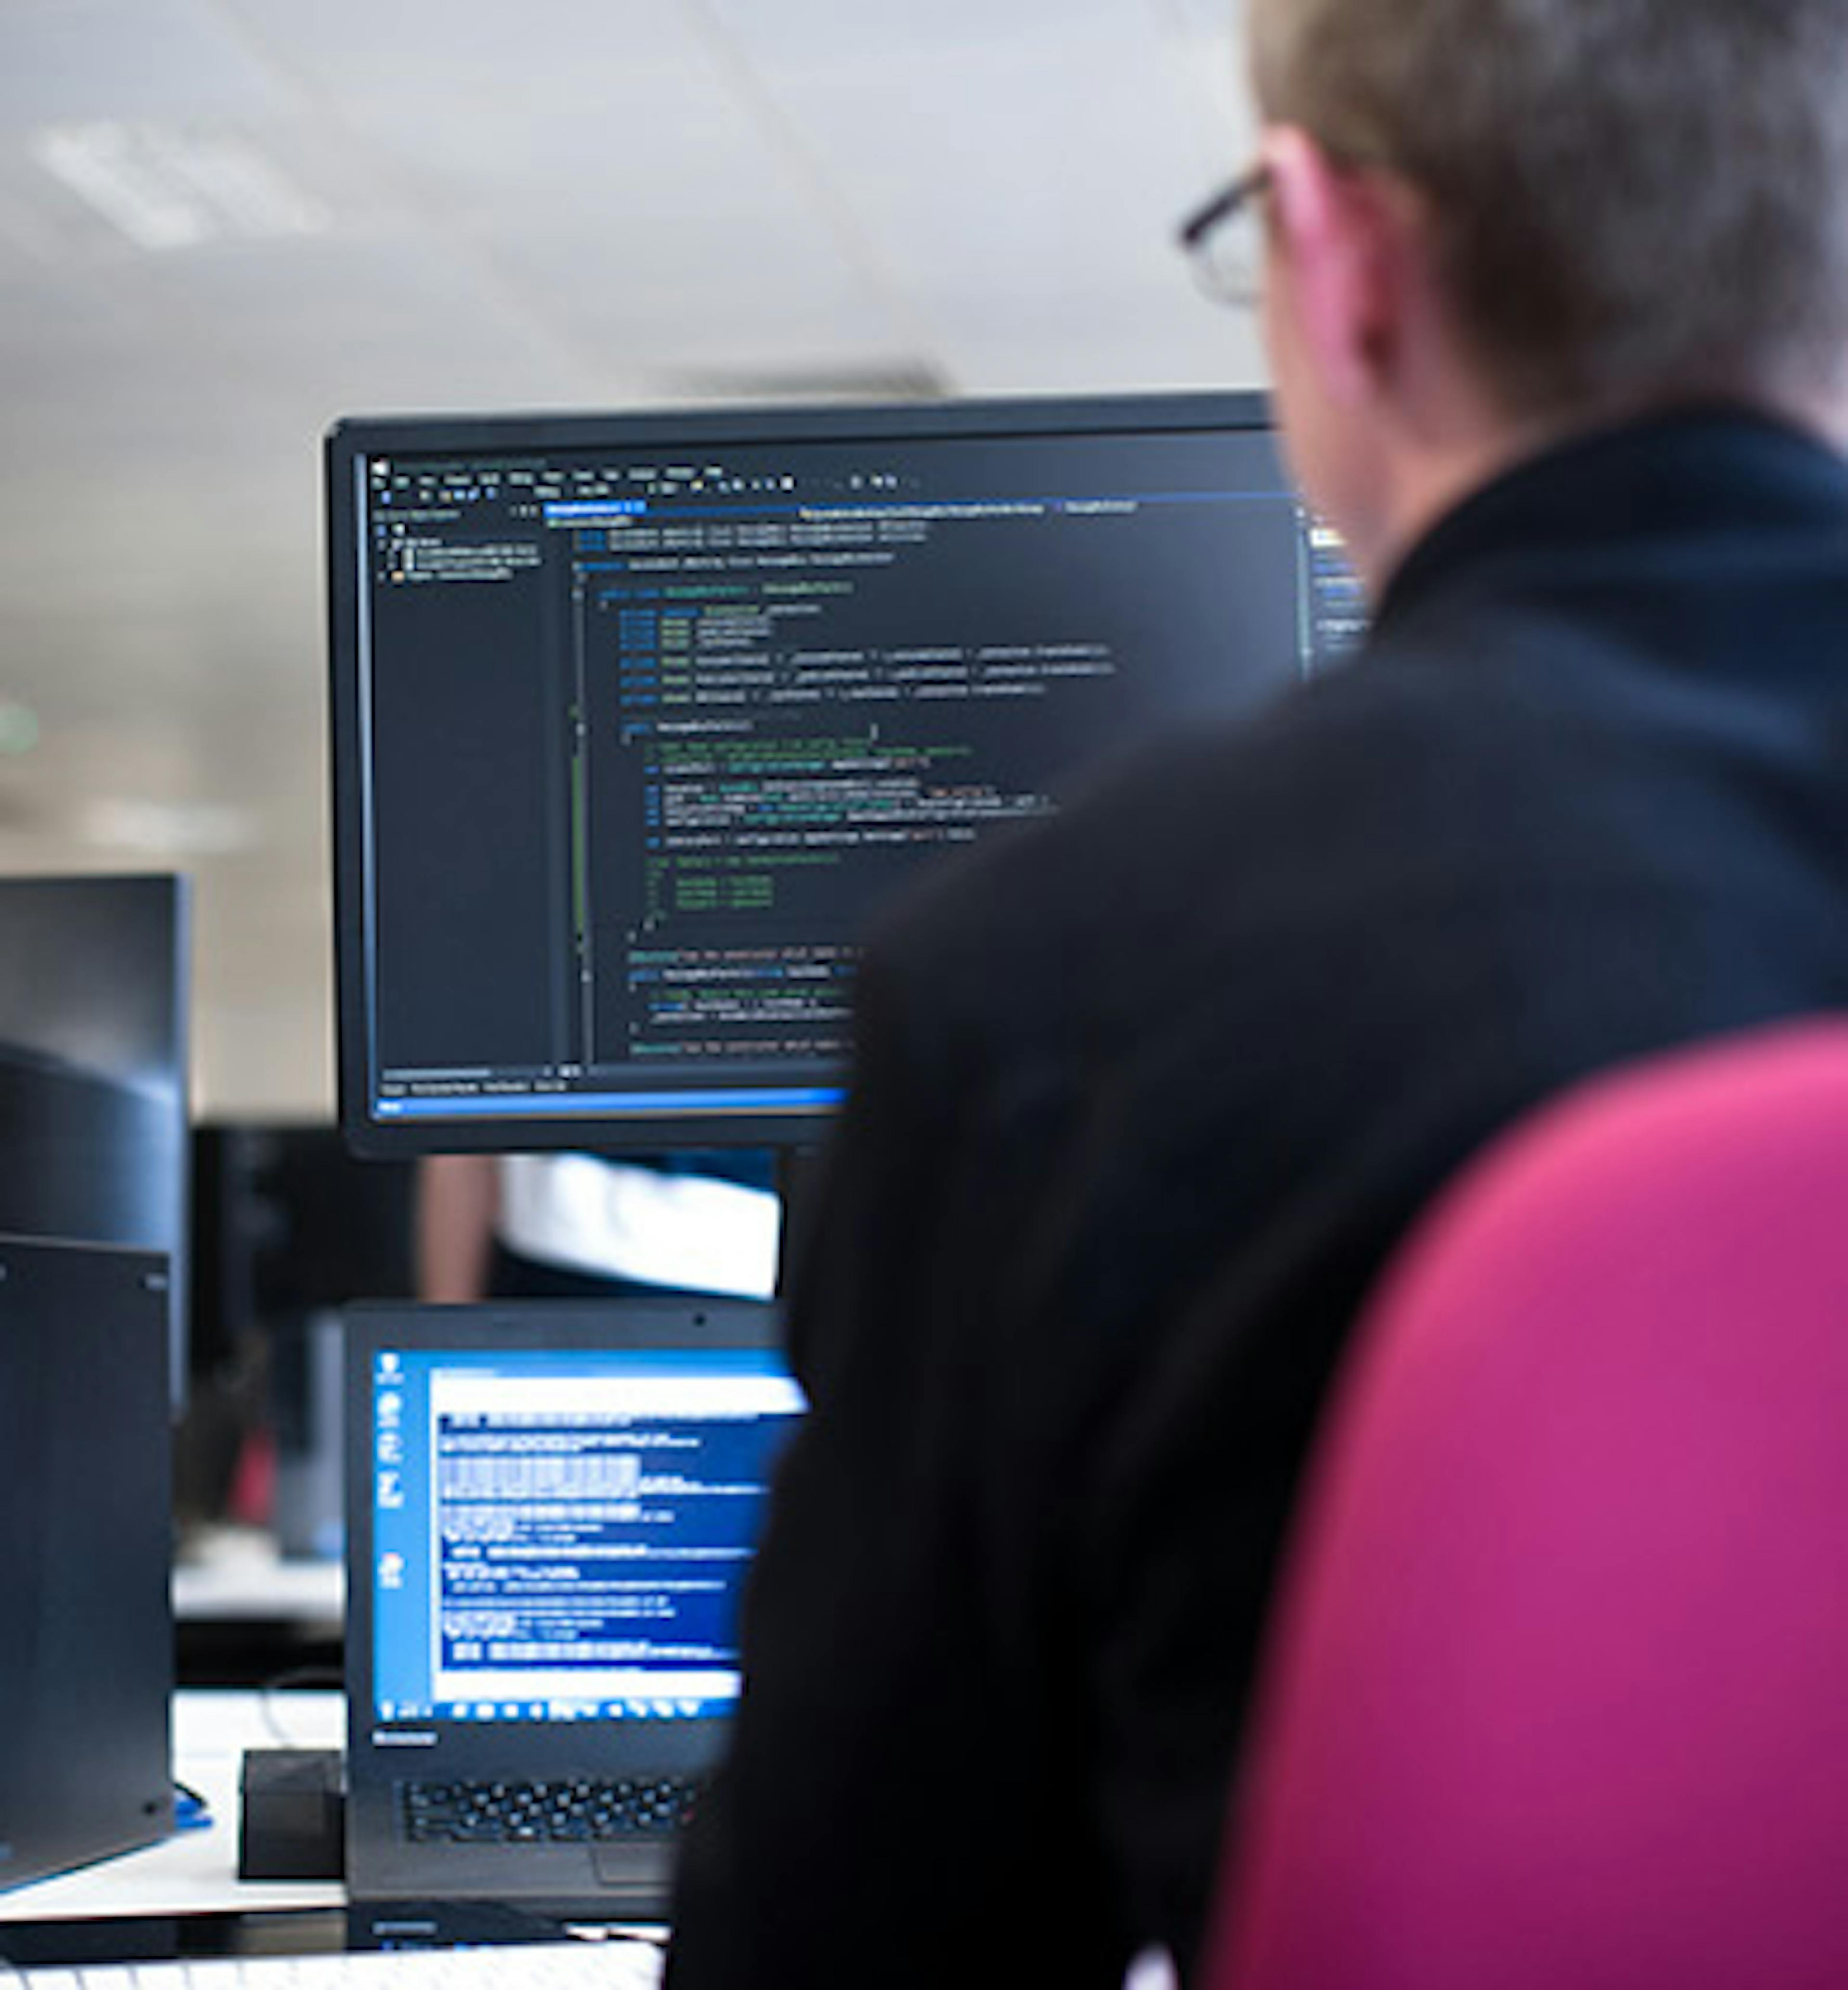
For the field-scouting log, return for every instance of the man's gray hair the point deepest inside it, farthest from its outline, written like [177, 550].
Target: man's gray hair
[1632, 200]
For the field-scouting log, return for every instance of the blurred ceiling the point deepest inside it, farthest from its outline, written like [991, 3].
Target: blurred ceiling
[225, 223]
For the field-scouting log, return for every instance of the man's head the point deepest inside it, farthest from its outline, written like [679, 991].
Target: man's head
[1570, 208]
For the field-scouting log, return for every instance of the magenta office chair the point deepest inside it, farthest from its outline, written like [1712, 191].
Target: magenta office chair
[1556, 1695]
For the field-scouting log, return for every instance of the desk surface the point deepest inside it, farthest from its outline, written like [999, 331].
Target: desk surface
[195, 1871]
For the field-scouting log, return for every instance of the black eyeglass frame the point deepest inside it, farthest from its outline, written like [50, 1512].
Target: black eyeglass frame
[1200, 229]
[1211, 216]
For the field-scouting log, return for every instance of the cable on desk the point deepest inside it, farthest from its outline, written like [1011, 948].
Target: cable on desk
[297, 1677]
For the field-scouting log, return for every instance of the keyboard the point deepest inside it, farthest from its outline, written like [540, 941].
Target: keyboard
[550, 1965]
[576, 1809]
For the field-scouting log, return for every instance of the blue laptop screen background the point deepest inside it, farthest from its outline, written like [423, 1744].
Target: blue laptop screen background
[562, 1534]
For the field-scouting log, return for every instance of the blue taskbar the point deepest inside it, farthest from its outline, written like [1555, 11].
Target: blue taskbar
[610, 1105]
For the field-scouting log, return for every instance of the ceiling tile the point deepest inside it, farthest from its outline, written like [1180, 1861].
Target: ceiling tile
[1071, 167]
[67, 60]
[791, 36]
[353, 50]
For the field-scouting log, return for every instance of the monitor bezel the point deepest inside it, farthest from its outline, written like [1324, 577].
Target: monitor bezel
[353, 438]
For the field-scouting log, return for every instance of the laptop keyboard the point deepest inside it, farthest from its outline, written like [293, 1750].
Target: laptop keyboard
[577, 1810]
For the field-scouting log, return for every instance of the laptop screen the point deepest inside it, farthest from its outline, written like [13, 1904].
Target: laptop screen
[561, 1534]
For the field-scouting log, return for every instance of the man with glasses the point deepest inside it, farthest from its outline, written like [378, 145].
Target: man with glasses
[1556, 295]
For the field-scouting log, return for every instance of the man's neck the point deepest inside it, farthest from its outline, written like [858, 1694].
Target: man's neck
[1431, 483]
[1436, 432]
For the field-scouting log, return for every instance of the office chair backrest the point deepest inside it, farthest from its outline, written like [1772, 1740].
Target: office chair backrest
[1557, 1693]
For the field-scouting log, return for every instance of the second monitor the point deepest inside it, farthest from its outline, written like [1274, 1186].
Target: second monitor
[637, 720]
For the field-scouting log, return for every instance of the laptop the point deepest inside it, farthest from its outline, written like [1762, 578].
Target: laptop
[551, 1508]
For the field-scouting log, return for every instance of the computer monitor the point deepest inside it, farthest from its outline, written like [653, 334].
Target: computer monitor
[94, 1085]
[287, 1224]
[638, 720]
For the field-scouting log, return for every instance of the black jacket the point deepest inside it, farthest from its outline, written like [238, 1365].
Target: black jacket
[1144, 1096]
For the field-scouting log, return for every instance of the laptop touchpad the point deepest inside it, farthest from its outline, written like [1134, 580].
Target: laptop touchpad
[636, 1867]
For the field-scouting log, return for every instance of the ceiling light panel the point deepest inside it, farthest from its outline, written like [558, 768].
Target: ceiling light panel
[137, 827]
[173, 187]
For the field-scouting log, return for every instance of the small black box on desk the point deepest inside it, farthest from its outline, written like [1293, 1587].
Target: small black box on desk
[293, 1805]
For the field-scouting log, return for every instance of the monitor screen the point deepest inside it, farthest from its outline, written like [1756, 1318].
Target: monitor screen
[639, 720]
[559, 1534]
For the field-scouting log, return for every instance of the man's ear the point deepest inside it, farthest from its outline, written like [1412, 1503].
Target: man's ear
[1339, 243]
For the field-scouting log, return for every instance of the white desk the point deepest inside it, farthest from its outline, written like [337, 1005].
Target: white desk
[195, 1871]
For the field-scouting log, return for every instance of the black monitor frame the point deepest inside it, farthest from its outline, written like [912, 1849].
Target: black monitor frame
[349, 446]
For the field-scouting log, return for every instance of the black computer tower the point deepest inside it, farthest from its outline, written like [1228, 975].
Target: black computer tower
[86, 1620]
[93, 1007]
